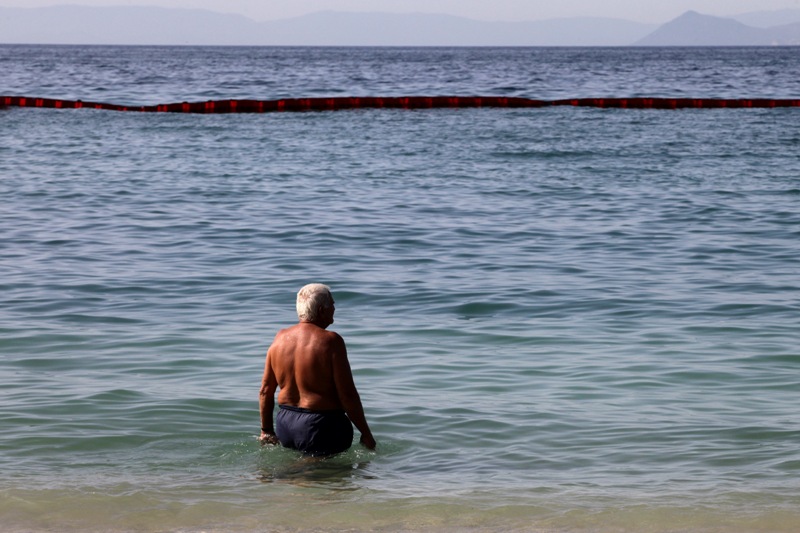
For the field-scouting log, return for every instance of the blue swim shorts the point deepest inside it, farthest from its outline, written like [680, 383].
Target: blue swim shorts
[313, 432]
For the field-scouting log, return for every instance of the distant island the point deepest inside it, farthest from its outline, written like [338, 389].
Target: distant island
[694, 29]
[133, 25]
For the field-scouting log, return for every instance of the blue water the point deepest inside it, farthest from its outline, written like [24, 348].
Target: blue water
[559, 319]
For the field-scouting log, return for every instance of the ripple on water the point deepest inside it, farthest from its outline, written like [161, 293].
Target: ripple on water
[554, 309]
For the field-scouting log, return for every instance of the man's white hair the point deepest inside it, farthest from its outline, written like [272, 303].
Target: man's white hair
[309, 300]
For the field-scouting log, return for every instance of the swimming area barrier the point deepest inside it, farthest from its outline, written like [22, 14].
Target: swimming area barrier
[399, 102]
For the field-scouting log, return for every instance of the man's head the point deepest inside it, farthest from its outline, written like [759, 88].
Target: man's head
[315, 303]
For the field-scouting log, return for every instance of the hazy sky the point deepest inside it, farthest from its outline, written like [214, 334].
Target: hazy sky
[655, 11]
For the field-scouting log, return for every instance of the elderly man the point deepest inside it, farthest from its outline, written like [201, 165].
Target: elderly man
[318, 399]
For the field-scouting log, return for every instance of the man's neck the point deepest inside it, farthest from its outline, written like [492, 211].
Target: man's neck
[318, 323]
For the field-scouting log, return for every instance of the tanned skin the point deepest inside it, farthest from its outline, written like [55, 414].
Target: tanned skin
[309, 364]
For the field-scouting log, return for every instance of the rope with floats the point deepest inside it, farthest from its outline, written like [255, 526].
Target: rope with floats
[399, 102]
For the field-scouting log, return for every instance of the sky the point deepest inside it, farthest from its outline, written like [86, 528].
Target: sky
[650, 11]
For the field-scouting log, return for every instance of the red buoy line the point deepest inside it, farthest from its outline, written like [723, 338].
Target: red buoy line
[400, 102]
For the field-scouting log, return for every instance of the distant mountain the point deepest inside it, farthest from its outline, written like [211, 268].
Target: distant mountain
[694, 29]
[769, 19]
[383, 29]
[150, 25]
[72, 24]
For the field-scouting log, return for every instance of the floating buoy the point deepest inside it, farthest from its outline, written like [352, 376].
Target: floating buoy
[399, 102]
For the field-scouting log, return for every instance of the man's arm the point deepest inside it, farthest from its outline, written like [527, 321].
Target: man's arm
[348, 394]
[266, 404]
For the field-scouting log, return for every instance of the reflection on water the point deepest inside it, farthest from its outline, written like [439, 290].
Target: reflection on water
[340, 472]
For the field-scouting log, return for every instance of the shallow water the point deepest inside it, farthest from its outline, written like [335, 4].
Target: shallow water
[558, 319]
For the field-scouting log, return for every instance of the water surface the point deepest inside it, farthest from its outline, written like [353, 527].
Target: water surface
[559, 319]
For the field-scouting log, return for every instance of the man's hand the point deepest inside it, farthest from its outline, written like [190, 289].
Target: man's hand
[268, 438]
[368, 442]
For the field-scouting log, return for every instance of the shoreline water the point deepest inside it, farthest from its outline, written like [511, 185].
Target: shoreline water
[314, 508]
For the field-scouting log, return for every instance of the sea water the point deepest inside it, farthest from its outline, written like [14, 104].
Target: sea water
[559, 319]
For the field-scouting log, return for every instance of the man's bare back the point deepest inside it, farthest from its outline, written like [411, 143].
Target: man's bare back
[309, 364]
[304, 359]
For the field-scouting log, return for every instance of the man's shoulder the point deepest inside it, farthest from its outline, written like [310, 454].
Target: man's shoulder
[328, 337]
[301, 330]
[284, 332]
[287, 335]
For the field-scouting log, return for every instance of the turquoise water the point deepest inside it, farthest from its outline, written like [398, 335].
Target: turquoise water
[558, 319]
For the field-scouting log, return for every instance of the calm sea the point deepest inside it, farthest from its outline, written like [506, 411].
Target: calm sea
[559, 319]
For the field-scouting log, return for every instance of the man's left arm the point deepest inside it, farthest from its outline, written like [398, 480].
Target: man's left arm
[348, 394]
